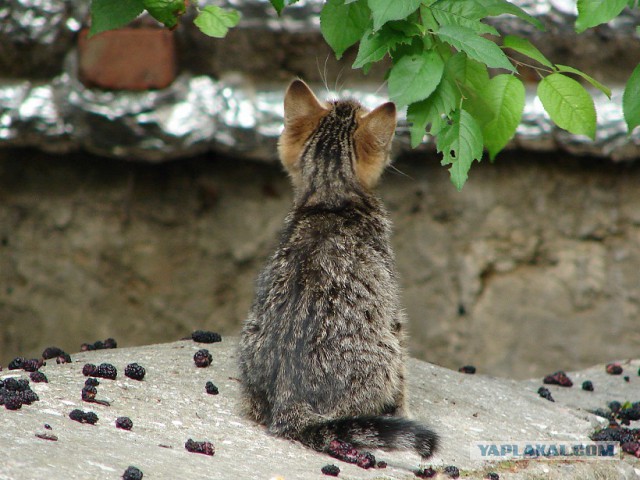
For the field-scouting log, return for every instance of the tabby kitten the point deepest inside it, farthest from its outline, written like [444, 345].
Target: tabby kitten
[322, 350]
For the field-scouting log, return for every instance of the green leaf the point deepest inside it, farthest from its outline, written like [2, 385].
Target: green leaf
[342, 24]
[165, 11]
[215, 21]
[433, 111]
[278, 5]
[386, 10]
[526, 48]
[476, 47]
[374, 46]
[568, 104]
[603, 88]
[631, 100]
[595, 12]
[415, 77]
[109, 15]
[466, 13]
[460, 143]
[469, 74]
[504, 95]
[503, 7]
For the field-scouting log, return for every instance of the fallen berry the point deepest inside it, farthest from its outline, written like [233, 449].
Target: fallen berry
[12, 402]
[206, 448]
[545, 393]
[614, 369]
[52, 352]
[89, 369]
[89, 393]
[92, 381]
[587, 385]
[467, 369]
[38, 377]
[451, 471]
[64, 358]
[343, 451]
[330, 470]
[211, 388]
[202, 358]
[106, 370]
[16, 363]
[631, 447]
[626, 378]
[83, 417]
[132, 473]
[381, 464]
[558, 378]
[425, 473]
[366, 460]
[204, 336]
[32, 365]
[134, 371]
[492, 476]
[124, 423]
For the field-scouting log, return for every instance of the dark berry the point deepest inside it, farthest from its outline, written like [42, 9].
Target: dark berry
[545, 393]
[626, 378]
[204, 336]
[615, 406]
[90, 417]
[38, 377]
[110, 343]
[12, 401]
[11, 384]
[211, 388]
[16, 363]
[451, 471]
[86, 347]
[106, 370]
[22, 385]
[426, 473]
[134, 371]
[330, 470]
[587, 385]
[89, 370]
[492, 476]
[202, 358]
[366, 460]
[381, 464]
[32, 365]
[89, 393]
[83, 417]
[47, 426]
[64, 358]
[343, 451]
[558, 378]
[206, 448]
[632, 447]
[467, 369]
[52, 352]
[132, 473]
[124, 423]
[92, 382]
[27, 397]
[614, 369]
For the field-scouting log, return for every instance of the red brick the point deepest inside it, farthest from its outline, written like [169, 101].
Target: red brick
[127, 59]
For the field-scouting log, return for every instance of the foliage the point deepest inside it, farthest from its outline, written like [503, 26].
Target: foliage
[449, 68]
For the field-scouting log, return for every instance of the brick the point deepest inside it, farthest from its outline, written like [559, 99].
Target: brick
[127, 59]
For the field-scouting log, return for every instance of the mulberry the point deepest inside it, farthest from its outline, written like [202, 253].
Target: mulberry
[134, 371]
[202, 358]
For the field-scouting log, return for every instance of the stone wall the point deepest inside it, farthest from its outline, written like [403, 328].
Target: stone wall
[533, 267]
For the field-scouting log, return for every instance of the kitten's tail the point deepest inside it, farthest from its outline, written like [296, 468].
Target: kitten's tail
[389, 433]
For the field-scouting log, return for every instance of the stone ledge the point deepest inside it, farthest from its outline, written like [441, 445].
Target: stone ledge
[170, 406]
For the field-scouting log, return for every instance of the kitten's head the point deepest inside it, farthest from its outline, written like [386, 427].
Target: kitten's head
[363, 136]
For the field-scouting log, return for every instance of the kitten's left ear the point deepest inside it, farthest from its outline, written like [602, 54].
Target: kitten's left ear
[380, 124]
[373, 141]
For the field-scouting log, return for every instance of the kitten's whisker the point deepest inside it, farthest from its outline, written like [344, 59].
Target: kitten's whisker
[400, 172]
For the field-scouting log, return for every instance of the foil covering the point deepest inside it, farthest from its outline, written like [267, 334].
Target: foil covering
[232, 112]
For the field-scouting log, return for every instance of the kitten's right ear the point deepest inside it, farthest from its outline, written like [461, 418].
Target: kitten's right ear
[301, 103]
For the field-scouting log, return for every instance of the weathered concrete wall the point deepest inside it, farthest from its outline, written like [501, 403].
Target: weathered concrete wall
[533, 267]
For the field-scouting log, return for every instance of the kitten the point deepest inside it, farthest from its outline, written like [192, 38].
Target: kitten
[322, 350]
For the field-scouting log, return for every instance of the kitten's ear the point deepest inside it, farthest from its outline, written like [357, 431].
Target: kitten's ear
[373, 142]
[301, 103]
[380, 124]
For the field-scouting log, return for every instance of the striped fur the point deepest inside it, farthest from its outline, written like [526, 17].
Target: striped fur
[322, 350]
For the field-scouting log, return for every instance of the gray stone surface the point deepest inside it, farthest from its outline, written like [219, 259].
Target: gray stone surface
[170, 405]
